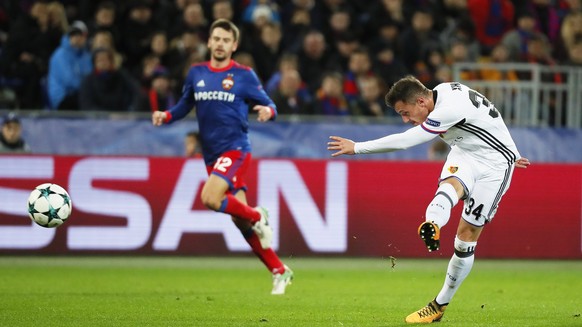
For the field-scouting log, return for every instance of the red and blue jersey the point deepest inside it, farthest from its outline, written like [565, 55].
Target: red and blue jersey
[222, 98]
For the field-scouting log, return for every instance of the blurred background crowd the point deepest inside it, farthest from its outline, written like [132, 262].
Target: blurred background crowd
[323, 57]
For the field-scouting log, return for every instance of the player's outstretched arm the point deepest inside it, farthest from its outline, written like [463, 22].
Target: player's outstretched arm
[522, 163]
[264, 113]
[340, 145]
[158, 118]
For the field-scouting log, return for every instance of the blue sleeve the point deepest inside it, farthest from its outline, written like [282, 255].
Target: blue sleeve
[186, 102]
[258, 94]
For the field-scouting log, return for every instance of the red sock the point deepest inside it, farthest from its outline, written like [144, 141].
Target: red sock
[234, 207]
[268, 256]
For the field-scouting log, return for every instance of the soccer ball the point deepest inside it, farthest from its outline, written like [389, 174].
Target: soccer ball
[49, 205]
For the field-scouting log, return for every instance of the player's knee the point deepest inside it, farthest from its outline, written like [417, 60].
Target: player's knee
[210, 201]
[464, 249]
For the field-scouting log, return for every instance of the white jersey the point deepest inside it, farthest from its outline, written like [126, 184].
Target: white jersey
[470, 123]
[464, 119]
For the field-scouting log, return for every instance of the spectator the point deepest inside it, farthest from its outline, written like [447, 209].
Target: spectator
[103, 39]
[345, 44]
[192, 145]
[415, 39]
[69, 65]
[159, 47]
[159, 96]
[192, 18]
[425, 69]
[289, 96]
[11, 138]
[330, 100]
[245, 59]
[137, 30]
[386, 36]
[287, 61]
[25, 56]
[371, 99]
[314, 60]
[571, 34]
[307, 13]
[182, 50]
[516, 40]
[169, 10]
[104, 20]
[462, 30]
[547, 18]
[299, 24]
[386, 10]
[57, 18]
[108, 88]
[267, 50]
[253, 30]
[492, 18]
[387, 65]
[575, 55]
[359, 66]
[340, 22]
[249, 12]
[222, 9]
[499, 55]
[145, 71]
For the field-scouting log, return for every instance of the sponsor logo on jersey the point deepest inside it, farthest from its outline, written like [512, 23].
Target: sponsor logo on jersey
[214, 95]
[228, 82]
[201, 83]
[453, 169]
[432, 123]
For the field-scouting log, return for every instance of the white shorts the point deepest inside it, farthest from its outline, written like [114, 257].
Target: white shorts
[484, 187]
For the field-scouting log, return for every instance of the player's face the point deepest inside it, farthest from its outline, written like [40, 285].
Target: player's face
[221, 44]
[414, 113]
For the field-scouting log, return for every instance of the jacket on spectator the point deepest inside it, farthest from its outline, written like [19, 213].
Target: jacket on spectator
[67, 68]
[109, 91]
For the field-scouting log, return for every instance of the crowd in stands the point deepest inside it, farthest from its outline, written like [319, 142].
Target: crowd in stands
[325, 57]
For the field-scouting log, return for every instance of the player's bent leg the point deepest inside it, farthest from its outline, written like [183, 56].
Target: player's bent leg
[213, 192]
[432, 312]
[445, 198]
[215, 197]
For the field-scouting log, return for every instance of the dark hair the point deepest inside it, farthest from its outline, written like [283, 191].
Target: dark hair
[226, 25]
[407, 90]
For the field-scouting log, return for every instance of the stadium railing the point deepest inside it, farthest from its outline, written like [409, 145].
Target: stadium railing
[540, 96]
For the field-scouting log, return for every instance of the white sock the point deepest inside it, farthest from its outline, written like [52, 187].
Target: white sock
[459, 268]
[439, 209]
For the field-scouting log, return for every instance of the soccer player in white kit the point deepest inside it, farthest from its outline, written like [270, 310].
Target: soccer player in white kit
[478, 168]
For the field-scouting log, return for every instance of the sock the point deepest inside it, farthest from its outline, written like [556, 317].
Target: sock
[439, 209]
[267, 256]
[459, 268]
[234, 207]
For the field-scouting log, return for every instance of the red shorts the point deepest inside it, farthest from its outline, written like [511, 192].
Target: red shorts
[232, 167]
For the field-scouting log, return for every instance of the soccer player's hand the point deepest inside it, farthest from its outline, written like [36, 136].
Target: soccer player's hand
[265, 113]
[340, 145]
[158, 118]
[522, 163]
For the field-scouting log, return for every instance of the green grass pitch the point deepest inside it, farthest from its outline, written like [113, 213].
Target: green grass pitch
[235, 291]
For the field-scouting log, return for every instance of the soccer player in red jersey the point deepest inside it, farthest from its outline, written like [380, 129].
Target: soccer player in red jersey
[220, 90]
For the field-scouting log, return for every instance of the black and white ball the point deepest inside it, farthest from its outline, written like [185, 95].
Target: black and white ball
[49, 205]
